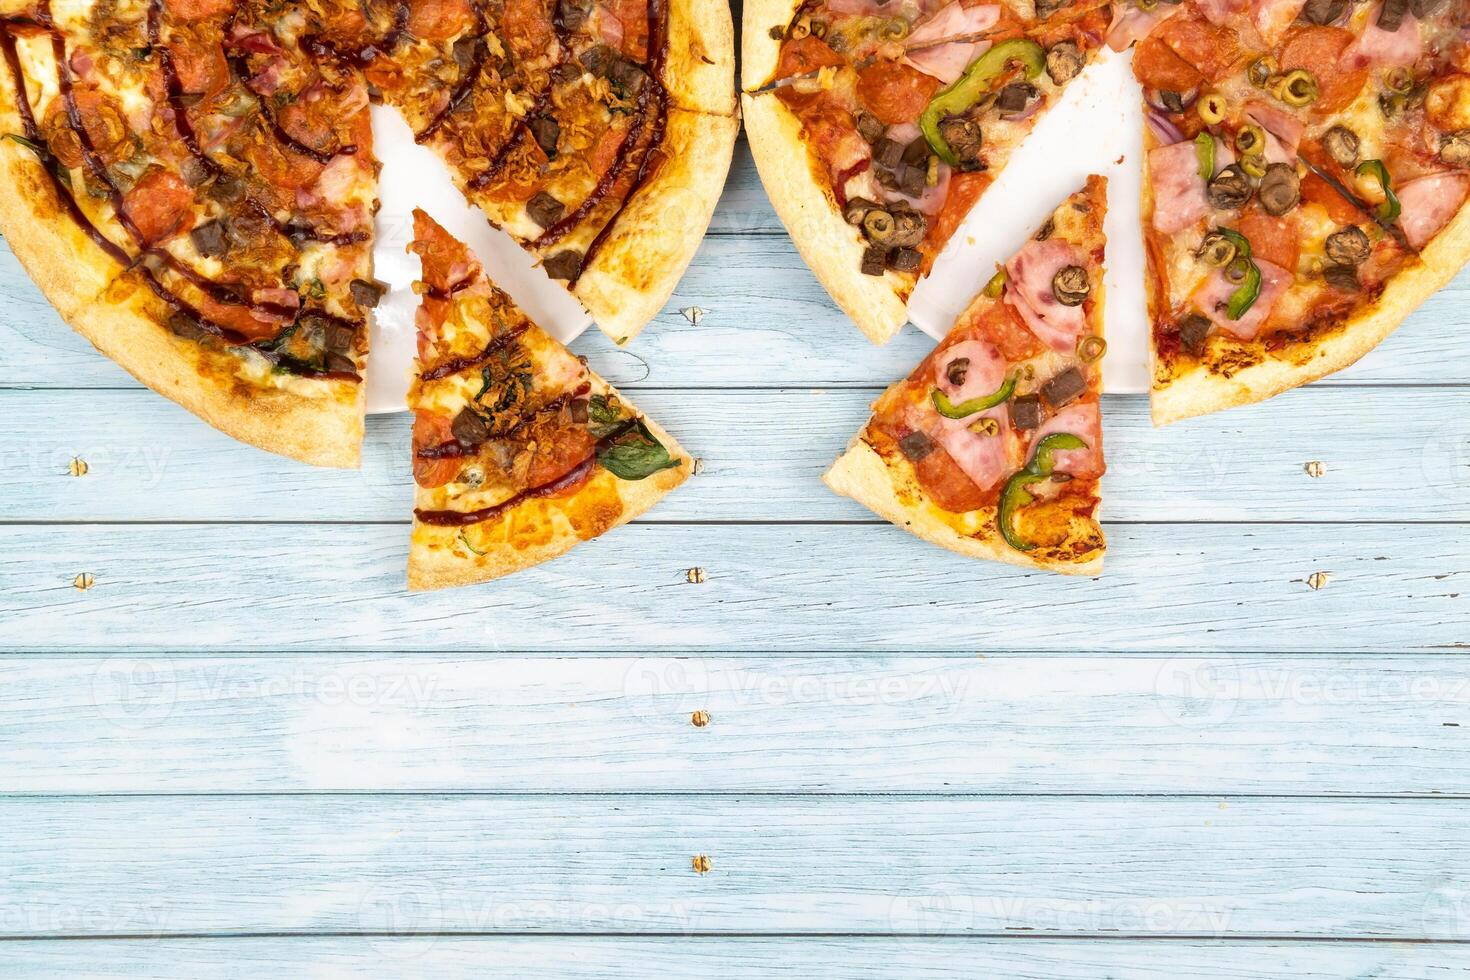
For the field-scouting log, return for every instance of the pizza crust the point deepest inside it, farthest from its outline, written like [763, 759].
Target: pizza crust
[1200, 392]
[699, 65]
[759, 52]
[437, 560]
[829, 245]
[315, 421]
[860, 473]
[655, 236]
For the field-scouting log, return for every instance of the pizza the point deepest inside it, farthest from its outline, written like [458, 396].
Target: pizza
[520, 452]
[1308, 168]
[877, 125]
[192, 182]
[992, 447]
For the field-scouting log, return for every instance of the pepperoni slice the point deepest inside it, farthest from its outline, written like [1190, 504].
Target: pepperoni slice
[1319, 50]
[1213, 50]
[632, 15]
[281, 169]
[1277, 240]
[440, 20]
[1001, 325]
[201, 68]
[240, 318]
[1155, 65]
[1315, 190]
[894, 92]
[432, 429]
[947, 485]
[524, 24]
[192, 10]
[159, 205]
[444, 258]
[964, 190]
[806, 54]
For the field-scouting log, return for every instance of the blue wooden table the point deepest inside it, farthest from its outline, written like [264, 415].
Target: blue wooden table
[231, 744]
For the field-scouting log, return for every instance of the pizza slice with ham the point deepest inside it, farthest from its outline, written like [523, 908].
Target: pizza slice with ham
[520, 452]
[992, 447]
[877, 126]
[1307, 179]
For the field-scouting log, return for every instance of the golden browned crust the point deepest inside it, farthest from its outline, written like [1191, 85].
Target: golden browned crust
[540, 530]
[860, 473]
[831, 247]
[699, 67]
[759, 51]
[655, 236]
[315, 421]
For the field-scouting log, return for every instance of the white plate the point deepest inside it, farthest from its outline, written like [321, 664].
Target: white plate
[413, 177]
[1097, 127]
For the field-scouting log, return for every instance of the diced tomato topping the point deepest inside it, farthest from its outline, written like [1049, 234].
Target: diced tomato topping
[439, 20]
[432, 429]
[806, 54]
[1275, 239]
[190, 10]
[1155, 65]
[1319, 50]
[1315, 190]
[894, 92]
[159, 204]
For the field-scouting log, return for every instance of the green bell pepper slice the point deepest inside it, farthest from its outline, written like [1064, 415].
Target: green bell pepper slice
[969, 87]
[1014, 495]
[965, 409]
[1249, 290]
[1204, 152]
[1389, 210]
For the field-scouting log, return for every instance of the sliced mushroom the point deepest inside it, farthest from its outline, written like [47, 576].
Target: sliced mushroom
[1026, 412]
[573, 14]
[468, 428]
[1423, 8]
[209, 239]
[1342, 277]
[956, 370]
[1391, 14]
[566, 264]
[1230, 189]
[1341, 144]
[1063, 62]
[965, 139]
[1454, 148]
[909, 227]
[1324, 11]
[904, 259]
[1045, 8]
[467, 51]
[544, 209]
[1070, 285]
[546, 131]
[1064, 388]
[1350, 246]
[1280, 189]
[857, 209]
[367, 293]
[1193, 330]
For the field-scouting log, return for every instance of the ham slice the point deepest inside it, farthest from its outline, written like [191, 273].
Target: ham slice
[1219, 11]
[1131, 25]
[1377, 48]
[1178, 189]
[1085, 422]
[1429, 203]
[931, 50]
[878, 8]
[1028, 288]
[983, 375]
[1213, 296]
[1283, 131]
[986, 460]
[1273, 17]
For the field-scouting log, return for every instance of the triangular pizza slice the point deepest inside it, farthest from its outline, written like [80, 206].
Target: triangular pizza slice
[992, 447]
[877, 126]
[520, 452]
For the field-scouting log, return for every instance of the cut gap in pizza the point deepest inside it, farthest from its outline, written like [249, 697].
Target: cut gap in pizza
[877, 126]
[192, 182]
[1308, 171]
[992, 447]
[520, 452]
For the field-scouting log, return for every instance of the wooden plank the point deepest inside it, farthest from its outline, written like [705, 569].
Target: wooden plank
[617, 958]
[1072, 866]
[761, 303]
[1206, 587]
[134, 723]
[762, 454]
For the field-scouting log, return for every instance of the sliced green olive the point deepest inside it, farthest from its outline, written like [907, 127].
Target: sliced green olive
[1250, 139]
[1261, 71]
[1217, 250]
[1298, 88]
[1211, 108]
[1253, 164]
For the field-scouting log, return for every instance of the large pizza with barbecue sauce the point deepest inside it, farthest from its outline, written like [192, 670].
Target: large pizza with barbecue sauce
[992, 447]
[1307, 175]
[520, 452]
[877, 124]
[192, 182]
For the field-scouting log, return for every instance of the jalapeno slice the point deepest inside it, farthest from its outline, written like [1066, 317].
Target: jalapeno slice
[1388, 211]
[969, 87]
[1249, 290]
[1204, 152]
[965, 409]
[1014, 495]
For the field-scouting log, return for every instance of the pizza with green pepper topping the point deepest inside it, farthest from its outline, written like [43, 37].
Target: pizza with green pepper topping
[992, 447]
[520, 452]
[877, 124]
